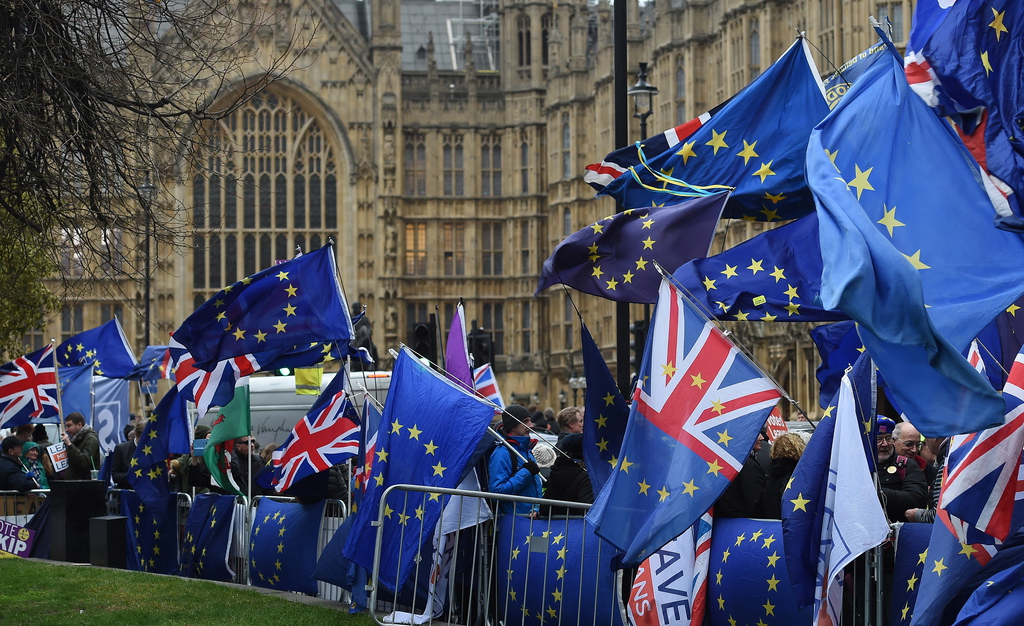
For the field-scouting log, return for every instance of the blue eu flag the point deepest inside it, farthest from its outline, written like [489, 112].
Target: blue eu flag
[883, 170]
[417, 445]
[755, 143]
[282, 545]
[614, 257]
[604, 417]
[773, 277]
[152, 533]
[839, 346]
[105, 346]
[166, 433]
[205, 550]
[299, 301]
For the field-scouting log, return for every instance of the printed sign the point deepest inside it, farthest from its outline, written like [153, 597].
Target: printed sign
[16, 539]
[661, 594]
[58, 456]
[775, 425]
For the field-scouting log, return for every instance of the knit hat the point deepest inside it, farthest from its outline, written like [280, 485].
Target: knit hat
[572, 445]
[202, 430]
[885, 425]
[28, 446]
[11, 443]
[513, 416]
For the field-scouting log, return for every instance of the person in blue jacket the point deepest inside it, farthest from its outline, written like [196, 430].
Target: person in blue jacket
[508, 473]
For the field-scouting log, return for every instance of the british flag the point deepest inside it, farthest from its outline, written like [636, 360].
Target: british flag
[327, 435]
[213, 388]
[367, 442]
[983, 485]
[700, 406]
[487, 385]
[28, 388]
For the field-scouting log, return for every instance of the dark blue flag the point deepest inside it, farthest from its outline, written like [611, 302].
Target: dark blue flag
[153, 365]
[974, 55]
[911, 554]
[773, 277]
[1000, 342]
[416, 445]
[839, 83]
[748, 582]
[296, 302]
[883, 169]
[554, 571]
[105, 346]
[755, 144]
[604, 417]
[695, 415]
[368, 427]
[830, 510]
[282, 545]
[166, 433]
[839, 346]
[152, 533]
[1000, 600]
[206, 549]
[614, 257]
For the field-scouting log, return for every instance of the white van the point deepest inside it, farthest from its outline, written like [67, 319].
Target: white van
[275, 408]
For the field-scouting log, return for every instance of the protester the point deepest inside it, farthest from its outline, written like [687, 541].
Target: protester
[569, 480]
[195, 476]
[267, 454]
[570, 420]
[40, 437]
[908, 442]
[12, 474]
[508, 473]
[935, 448]
[245, 464]
[36, 464]
[786, 452]
[83, 448]
[24, 432]
[121, 457]
[902, 481]
[743, 496]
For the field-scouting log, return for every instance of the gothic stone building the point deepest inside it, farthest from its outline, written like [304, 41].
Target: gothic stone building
[442, 144]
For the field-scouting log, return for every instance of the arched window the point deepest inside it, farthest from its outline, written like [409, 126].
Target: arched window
[545, 30]
[680, 89]
[280, 179]
[523, 39]
[566, 147]
[755, 48]
[524, 167]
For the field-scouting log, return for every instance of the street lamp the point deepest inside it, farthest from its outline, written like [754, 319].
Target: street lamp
[561, 398]
[147, 193]
[643, 94]
[576, 383]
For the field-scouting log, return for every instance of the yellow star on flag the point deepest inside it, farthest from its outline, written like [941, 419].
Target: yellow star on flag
[260, 336]
[755, 266]
[648, 243]
[596, 272]
[647, 224]
[627, 277]
[764, 171]
[280, 326]
[730, 271]
[747, 152]
[598, 228]
[430, 447]
[777, 198]
[1012, 309]
[289, 310]
[778, 274]
[997, 23]
[643, 487]
[717, 407]
[714, 467]
[292, 291]
[239, 334]
[687, 151]
[724, 438]
[800, 503]
[438, 469]
[717, 140]
[689, 488]
[611, 284]
[889, 219]
[698, 381]
[709, 284]
[792, 307]
[663, 494]
[860, 181]
[985, 63]
[625, 465]
[280, 276]
[915, 260]
[641, 264]
[939, 567]
[414, 433]
[791, 292]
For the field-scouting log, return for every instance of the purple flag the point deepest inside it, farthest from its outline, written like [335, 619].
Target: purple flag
[456, 353]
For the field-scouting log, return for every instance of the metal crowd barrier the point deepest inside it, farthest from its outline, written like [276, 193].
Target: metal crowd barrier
[475, 562]
[17, 507]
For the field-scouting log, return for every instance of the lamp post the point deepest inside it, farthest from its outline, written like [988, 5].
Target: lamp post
[643, 94]
[147, 192]
[576, 383]
[561, 398]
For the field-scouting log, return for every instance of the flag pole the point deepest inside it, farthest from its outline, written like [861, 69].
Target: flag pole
[732, 338]
[56, 376]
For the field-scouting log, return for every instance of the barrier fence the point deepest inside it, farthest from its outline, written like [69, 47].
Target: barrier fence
[19, 507]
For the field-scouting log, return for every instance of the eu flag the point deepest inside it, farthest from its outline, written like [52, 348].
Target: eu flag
[604, 416]
[205, 551]
[692, 423]
[282, 545]
[152, 532]
[614, 257]
[747, 578]
[416, 445]
[553, 571]
[153, 365]
[296, 302]
[773, 277]
[755, 143]
[76, 390]
[166, 433]
[911, 553]
[105, 346]
[883, 170]
[975, 56]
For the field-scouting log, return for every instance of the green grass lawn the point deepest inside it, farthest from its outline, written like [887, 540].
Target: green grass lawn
[43, 593]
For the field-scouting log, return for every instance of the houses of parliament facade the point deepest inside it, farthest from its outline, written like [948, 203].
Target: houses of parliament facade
[441, 144]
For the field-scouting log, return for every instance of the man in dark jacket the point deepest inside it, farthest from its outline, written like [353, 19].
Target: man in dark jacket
[12, 476]
[569, 480]
[743, 497]
[83, 448]
[122, 455]
[902, 481]
[245, 463]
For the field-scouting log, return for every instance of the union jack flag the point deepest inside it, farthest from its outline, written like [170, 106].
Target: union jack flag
[698, 408]
[28, 388]
[983, 485]
[213, 388]
[327, 435]
[367, 442]
[487, 385]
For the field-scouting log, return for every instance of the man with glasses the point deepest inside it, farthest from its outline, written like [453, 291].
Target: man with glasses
[908, 442]
[902, 481]
[246, 462]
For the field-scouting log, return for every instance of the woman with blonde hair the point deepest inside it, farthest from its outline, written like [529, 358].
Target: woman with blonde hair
[786, 451]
